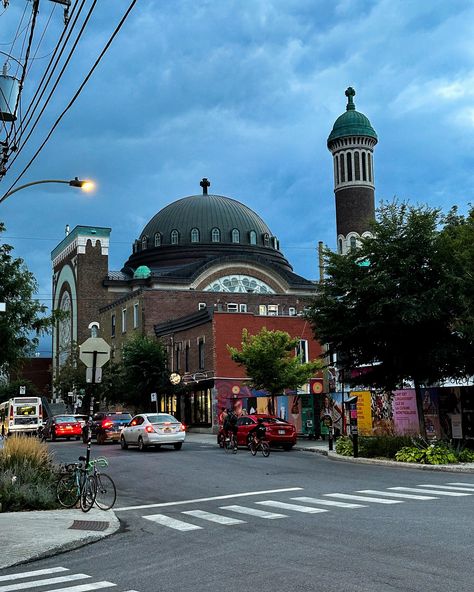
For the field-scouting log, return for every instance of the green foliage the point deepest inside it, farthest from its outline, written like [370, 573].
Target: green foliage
[344, 446]
[27, 476]
[270, 361]
[466, 455]
[382, 446]
[12, 389]
[24, 315]
[438, 453]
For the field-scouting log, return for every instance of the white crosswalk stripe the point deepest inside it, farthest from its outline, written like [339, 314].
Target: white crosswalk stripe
[30, 574]
[471, 485]
[433, 491]
[393, 494]
[171, 522]
[253, 512]
[217, 518]
[450, 487]
[84, 587]
[292, 507]
[333, 503]
[37, 583]
[361, 498]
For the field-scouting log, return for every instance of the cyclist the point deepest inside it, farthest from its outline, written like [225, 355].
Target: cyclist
[230, 426]
[259, 432]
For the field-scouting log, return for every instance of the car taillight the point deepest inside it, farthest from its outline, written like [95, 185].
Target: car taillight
[40, 412]
[11, 413]
[182, 427]
[107, 423]
[149, 429]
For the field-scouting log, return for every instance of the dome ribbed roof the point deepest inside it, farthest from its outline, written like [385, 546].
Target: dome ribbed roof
[351, 123]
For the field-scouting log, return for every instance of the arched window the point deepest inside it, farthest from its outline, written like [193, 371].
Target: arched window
[336, 166]
[340, 246]
[157, 239]
[253, 237]
[356, 166]
[275, 243]
[266, 239]
[235, 236]
[353, 243]
[215, 235]
[341, 162]
[144, 243]
[369, 163]
[349, 166]
[364, 170]
[174, 237]
[194, 235]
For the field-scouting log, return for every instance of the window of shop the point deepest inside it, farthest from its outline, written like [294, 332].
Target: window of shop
[202, 408]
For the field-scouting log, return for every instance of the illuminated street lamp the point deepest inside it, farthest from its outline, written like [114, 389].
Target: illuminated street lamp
[85, 185]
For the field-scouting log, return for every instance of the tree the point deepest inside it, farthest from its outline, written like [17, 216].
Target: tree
[145, 369]
[25, 319]
[392, 305]
[270, 362]
[11, 389]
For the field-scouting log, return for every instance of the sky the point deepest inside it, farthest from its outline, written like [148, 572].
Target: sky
[244, 92]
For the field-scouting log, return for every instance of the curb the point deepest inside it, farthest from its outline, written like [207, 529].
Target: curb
[401, 465]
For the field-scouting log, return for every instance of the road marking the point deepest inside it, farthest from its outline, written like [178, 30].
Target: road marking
[37, 583]
[466, 484]
[29, 574]
[293, 507]
[213, 517]
[448, 487]
[360, 498]
[171, 523]
[253, 512]
[206, 499]
[434, 491]
[85, 587]
[314, 500]
[393, 494]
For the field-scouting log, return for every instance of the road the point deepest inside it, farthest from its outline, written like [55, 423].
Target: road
[203, 520]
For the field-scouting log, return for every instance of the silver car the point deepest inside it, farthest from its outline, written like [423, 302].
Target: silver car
[153, 429]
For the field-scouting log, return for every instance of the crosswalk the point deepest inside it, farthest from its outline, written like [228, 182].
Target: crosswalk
[273, 509]
[46, 580]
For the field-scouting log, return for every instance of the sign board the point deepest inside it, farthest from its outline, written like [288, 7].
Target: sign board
[91, 345]
[3, 307]
[153, 397]
[98, 376]
[22, 390]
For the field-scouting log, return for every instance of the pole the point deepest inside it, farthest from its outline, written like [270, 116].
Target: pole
[91, 409]
[156, 403]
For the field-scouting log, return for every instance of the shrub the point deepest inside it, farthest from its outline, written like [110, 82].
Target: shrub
[344, 446]
[438, 453]
[466, 455]
[27, 475]
[382, 446]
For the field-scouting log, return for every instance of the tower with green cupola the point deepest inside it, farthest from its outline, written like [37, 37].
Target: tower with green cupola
[351, 143]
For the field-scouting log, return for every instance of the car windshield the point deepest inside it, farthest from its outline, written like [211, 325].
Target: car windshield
[161, 418]
[126, 416]
[65, 419]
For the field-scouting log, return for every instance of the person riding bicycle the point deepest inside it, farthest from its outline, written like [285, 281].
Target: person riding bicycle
[259, 432]
[230, 425]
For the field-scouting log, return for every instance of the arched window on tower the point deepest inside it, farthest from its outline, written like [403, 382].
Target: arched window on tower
[157, 239]
[353, 243]
[336, 167]
[235, 236]
[357, 166]
[253, 237]
[144, 242]
[369, 163]
[364, 170]
[174, 237]
[215, 235]
[349, 166]
[266, 239]
[194, 235]
[341, 162]
[340, 246]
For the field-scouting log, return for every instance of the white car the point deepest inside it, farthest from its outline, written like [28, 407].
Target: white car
[153, 429]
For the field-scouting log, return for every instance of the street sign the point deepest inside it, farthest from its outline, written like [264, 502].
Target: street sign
[90, 378]
[91, 345]
[22, 390]
[153, 397]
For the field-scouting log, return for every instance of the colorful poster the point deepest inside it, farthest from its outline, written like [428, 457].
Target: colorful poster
[405, 414]
[431, 413]
[382, 414]
[364, 412]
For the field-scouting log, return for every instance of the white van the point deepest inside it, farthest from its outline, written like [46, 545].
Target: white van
[21, 415]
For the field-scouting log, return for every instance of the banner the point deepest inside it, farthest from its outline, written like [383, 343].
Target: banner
[405, 414]
[364, 412]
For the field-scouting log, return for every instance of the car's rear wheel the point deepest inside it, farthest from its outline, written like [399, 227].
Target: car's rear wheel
[123, 444]
[141, 445]
[287, 446]
[178, 445]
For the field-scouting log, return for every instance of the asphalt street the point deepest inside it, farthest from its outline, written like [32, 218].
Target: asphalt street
[201, 519]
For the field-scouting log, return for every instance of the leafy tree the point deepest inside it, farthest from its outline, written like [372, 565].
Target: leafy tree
[11, 389]
[145, 369]
[25, 319]
[392, 306]
[71, 375]
[270, 361]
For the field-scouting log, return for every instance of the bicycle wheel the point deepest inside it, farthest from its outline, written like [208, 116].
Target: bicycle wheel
[88, 493]
[67, 490]
[234, 445]
[265, 449]
[227, 444]
[253, 448]
[106, 492]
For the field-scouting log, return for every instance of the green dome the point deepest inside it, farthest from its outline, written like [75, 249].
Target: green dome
[142, 273]
[351, 123]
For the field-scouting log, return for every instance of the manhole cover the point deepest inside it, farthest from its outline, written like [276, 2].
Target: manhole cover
[89, 525]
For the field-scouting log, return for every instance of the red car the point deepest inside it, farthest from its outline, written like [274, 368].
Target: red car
[62, 426]
[279, 432]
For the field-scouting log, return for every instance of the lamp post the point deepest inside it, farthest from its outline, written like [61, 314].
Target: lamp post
[84, 185]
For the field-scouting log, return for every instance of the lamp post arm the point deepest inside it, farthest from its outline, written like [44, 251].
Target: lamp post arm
[4, 197]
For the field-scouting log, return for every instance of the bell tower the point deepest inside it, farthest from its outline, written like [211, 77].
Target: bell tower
[351, 143]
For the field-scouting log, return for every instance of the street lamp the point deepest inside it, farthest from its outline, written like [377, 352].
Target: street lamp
[85, 185]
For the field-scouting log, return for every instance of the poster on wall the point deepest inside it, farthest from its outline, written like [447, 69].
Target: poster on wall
[450, 413]
[431, 412]
[405, 414]
[364, 411]
[382, 414]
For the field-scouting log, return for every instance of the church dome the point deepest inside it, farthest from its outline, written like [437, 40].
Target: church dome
[351, 123]
[142, 273]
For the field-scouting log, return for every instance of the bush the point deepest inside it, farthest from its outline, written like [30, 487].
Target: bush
[466, 455]
[382, 446]
[344, 446]
[430, 454]
[27, 475]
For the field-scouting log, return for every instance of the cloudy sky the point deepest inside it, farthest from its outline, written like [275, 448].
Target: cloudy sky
[243, 92]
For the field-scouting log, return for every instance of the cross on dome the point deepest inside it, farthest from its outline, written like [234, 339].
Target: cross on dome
[350, 94]
[205, 183]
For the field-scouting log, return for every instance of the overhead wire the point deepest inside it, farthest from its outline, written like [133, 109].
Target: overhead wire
[42, 36]
[76, 95]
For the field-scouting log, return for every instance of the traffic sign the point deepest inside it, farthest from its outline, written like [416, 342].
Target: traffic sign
[91, 345]
[22, 390]
[153, 397]
[90, 379]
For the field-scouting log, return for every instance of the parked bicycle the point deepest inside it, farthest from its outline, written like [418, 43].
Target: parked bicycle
[87, 485]
[262, 445]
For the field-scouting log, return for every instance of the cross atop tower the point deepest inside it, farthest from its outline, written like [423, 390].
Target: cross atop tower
[205, 184]
[350, 94]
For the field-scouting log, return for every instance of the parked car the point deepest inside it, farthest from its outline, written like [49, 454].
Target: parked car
[153, 429]
[279, 432]
[61, 426]
[107, 425]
